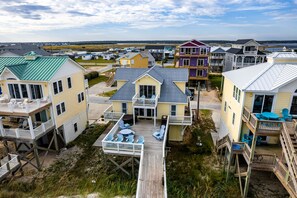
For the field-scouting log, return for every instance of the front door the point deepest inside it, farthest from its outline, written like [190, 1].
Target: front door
[263, 103]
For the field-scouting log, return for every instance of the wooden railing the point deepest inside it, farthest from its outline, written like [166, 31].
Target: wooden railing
[244, 149]
[138, 101]
[225, 140]
[261, 126]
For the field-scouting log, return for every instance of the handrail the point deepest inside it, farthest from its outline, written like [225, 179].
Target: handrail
[6, 165]
[138, 101]
[140, 172]
[164, 158]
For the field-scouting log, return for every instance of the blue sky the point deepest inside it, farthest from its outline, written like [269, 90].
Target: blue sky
[79, 20]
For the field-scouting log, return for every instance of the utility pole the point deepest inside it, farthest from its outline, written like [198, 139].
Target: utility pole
[198, 100]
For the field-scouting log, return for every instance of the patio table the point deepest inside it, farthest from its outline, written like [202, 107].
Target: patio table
[126, 132]
[270, 116]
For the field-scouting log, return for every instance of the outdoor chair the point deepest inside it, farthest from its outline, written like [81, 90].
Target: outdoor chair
[124, 126]
[120, 138]
[130, 139]
[286, 115]
[109, 137]
[159, 135]
[153, 99]
[140, 140]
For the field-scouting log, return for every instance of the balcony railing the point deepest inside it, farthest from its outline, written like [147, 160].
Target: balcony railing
[110, 115]
[124, 148]
[260, 126]
[181, 120]
[141, 101]
[217, 57]
[22, 106]
[26, 133]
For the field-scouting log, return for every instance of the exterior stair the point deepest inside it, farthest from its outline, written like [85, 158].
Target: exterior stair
[224, 142]
[110, 80]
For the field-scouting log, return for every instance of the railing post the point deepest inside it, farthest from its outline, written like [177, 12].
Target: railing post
[17, 133]
[31, 127]
[43, 127]
[1, 127]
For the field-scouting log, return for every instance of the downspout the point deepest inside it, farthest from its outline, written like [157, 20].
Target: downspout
[241, 110]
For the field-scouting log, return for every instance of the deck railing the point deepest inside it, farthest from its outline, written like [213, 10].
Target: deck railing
[110, 115]
[27, 133]
[13, 162]
[139, 101]
[19, 106]
[257, 125]
[124, 148]
[164, 158]
[225, 139]
[180, 119]
[244, 149]
[140, 176]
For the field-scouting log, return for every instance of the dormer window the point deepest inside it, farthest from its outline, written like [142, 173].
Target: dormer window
[147, 90]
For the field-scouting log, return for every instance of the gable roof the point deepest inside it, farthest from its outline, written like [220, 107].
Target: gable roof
[169, 91]
[21, 49]
[219, 49]
[41, 69]
[263, 77]
[193, 43]
[243, 41]
[240, 51]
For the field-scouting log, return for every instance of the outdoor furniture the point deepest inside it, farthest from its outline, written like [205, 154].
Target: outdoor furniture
[120, 138]
[159, 135]
[236, 147]
[142, 99]
[128, 118]
[153, 99]
[140, 140]
[270, 116]
[130, 139]
[126, 132]
[109, 137]
[124, 126]
[247, 139]
[286, 115]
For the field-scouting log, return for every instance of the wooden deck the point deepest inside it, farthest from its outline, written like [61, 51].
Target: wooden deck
[8, 166]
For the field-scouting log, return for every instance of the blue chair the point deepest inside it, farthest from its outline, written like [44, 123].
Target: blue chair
[130, 139]
[286, 115]
[159, 135]
[109, 137]
[140, 140]
[247, 139]
[124, 126]
[120, 138]
[153, 99]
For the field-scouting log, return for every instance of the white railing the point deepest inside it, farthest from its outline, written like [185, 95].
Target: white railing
[181, 120]
[120, 147]
[10, 165]
[26, 133]
[164, 158]
[144, 102]
[109, 114]
[140, 177]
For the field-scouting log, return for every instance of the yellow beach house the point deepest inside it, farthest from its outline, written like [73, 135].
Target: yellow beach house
[153, 93]
[141, 59]
[41, 97]
[258, 104]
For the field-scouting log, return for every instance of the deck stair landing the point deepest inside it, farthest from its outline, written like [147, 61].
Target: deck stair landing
[9, 164]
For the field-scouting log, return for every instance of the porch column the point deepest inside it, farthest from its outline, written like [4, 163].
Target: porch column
[31, 127]
[52, 115]
[1, 127]
[133, 112]
[154, 117]
[242, 60]
[256, 60]
[262, 59]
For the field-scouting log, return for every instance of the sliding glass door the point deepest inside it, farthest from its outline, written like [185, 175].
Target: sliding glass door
[263, 103]
[147, 91]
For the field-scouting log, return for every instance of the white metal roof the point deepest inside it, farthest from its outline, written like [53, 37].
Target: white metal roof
[282, 55]
[263, 77]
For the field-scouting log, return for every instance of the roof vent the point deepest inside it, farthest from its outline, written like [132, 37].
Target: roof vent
[31, 56]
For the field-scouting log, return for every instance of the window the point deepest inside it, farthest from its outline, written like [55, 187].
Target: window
[233, 119]
[225, 106]
[60, 108]
[200, 62]
[36, 91]
[24, 91]
[173, 110]
[14, 91]
[75, 127]
[186, 62]
[58, 87]
[203, 51]
[147, 90]
[293, 109]
[193, 50]
[69, 82]
[263, 103]
[182, 50]
[124, 108]
[188, 50]
[199, 73]
[80, 97]
[236, 93]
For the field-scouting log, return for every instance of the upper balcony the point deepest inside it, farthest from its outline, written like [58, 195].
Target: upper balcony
[22, 107]
[143, 102]
[260, 126]
[184, 54]
[185, 119]
[217, 57]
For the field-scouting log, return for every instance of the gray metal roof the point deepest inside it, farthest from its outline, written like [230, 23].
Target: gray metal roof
[219, 49]
[169, 91]
[240, 51]
[267, 77]
[21, 49]
[243, 41]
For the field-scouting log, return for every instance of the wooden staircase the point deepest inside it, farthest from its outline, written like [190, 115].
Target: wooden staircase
[224, 142]
[110, 80]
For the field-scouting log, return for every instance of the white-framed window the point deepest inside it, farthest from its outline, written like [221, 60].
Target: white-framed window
[182, 50]
[203, 51]
[233, 118]
[58, 87]
[225, 106]
[173, 110]
[124, 108]
[69, 82]
[36, 91]
[132, 61]
[186, 62]
[19, 91]
[60, 108]
[188, 50]
[80, 97]
[75, 127]
[199, 72]
[236, 93]
[200, 62]
[14, 91]
[194, 50]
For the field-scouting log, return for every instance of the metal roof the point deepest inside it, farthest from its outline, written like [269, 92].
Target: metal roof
[169, 91]
[263, 77]
[42, 68]
[282, 55]
[219, 49]
[240, 51]
[21, 49]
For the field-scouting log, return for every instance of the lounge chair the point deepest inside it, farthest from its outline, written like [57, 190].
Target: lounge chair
[109, 137]
[153, 99]
[286, 115]
[159, 135]
[120, 138]
[124, 126]
[140, 140]
[130, 139]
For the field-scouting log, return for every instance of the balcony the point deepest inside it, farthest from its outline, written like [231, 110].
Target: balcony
[191, 55]
[110, 115]
[23, 107]
[28, 134]
[260, 126]
[181, 119]
[217, 57]
[142, 102]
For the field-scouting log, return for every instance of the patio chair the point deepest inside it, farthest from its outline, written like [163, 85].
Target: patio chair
[157, 133]
[153, 99]
[109, 137]
[159, 136]
[140, 140]
[124, 126]
[130, 139]
[120, 138]
[286, 115]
